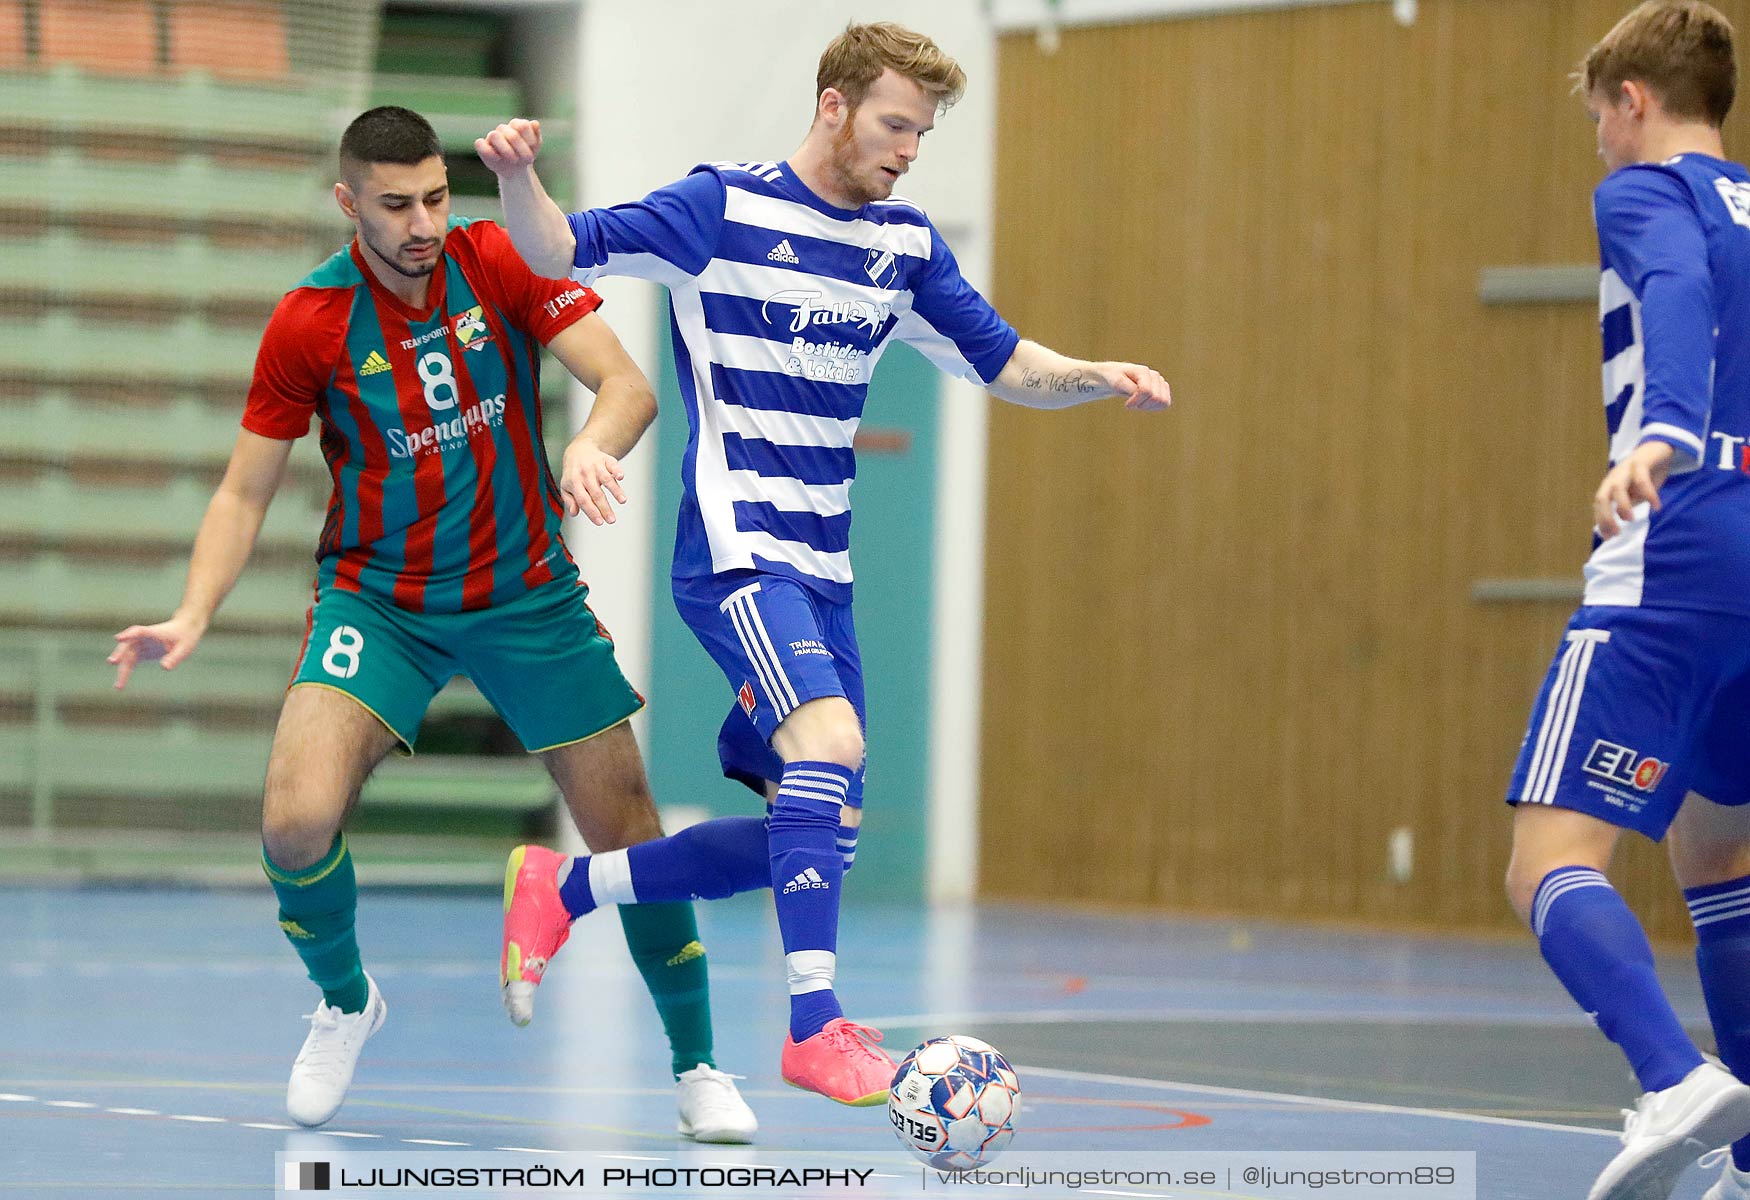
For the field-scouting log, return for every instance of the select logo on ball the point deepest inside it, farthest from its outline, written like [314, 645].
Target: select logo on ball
[954, 1102]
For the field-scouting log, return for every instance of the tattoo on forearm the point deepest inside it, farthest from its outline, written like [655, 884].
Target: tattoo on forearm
[1073, 383]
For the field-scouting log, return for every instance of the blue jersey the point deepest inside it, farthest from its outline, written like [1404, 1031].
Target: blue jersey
[1674, 304]
[781, 306]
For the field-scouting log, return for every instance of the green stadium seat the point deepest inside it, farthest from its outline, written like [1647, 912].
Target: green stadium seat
[49, 425]
[18, 755]
[56, 345]
[193, 188]
[183, 760]
[193, 107]
[459, 109]
[445, 44]
[46, 588]
[53, 508]
[185, 269]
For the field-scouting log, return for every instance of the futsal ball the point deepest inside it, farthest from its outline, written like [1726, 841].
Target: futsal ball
[954, 1102]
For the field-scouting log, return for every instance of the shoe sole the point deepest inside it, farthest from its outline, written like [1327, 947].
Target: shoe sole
[869, 1101]
[1656, 1176]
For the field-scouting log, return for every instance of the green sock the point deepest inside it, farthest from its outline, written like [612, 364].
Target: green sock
[664, 941]
[317, 906]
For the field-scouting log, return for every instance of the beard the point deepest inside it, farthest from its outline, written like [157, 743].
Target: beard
[844, 169]
[393, 257]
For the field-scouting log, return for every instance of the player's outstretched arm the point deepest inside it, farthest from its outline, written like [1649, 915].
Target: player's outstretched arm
[537, 227]
[625, 405]
[226, 538]
[1042, 378]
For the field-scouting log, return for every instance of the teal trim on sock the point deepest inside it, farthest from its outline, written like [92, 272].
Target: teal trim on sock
[664, 941]
[317, 909]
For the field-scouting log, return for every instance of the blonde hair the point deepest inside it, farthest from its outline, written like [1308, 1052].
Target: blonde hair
[855, 59]
[1680, 49]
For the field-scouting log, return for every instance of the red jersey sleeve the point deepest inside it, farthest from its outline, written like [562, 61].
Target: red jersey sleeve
[543, 307]
[296, 361]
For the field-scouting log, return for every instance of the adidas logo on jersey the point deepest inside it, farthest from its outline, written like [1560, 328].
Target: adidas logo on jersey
[782, 253]
[374, 364]
[806, 881]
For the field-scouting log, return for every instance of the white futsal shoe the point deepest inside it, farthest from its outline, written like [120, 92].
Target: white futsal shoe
[1732, 1184]
[711, 1110]
[323, 1069]
[1667, 1130]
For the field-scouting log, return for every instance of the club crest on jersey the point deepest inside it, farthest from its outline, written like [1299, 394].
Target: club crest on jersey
[745, 696]
[881, 267]
[1619, 764]
[471, 329]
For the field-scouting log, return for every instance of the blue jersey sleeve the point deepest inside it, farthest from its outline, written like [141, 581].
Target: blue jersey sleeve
[1650, 233]
[667, 236]
[951, 324]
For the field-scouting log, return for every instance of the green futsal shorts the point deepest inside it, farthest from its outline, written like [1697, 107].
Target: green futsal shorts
[542, 660]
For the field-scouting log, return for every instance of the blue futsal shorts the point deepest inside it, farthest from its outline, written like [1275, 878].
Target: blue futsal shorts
[780, 645]
[1641, 707]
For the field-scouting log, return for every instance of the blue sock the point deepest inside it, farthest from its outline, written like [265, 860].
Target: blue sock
[1598, 950]
[1721, 914]
[707, 861]
[806, 871]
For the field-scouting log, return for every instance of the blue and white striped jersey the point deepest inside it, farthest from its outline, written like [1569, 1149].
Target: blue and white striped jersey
[781, 305]
[1674, 303]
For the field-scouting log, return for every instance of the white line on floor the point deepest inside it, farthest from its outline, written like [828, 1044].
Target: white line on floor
[1209, 1089]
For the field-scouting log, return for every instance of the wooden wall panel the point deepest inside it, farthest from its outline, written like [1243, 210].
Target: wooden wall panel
[1231, 648]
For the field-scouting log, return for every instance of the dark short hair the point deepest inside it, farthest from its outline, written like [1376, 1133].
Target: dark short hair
[1681, 49]
[389, 134]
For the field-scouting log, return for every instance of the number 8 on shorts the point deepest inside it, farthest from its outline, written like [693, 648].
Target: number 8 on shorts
[341, 659]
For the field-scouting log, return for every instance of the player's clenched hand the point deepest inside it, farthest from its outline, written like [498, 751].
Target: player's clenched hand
[587, 477]
[1635, 479]
[1143, 389]
[167, 643]
[510, 147]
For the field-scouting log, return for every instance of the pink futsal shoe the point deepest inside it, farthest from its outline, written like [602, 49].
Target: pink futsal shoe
[841, 1063]
[536, 924]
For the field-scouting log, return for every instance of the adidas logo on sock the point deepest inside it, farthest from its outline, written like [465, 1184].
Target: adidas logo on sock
[806, 881]
[374, 364]
[782, 253]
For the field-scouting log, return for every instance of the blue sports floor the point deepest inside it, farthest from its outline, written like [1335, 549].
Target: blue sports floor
[147, 1035]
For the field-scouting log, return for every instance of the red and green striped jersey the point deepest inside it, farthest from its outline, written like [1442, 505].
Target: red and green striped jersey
[430, 421]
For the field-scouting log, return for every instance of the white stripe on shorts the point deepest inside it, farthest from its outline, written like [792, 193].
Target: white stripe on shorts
[762, 669]
[1561, 714]
[757, 645]
[759, 628]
